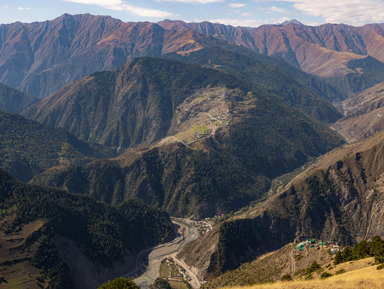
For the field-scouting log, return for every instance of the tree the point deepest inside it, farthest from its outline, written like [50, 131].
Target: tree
[347, 254]
[119, 283]
[338, 258]
[377, 249]
[160, 284]
[361, 250]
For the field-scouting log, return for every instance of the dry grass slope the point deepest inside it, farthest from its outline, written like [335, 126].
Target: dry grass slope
[365, 278]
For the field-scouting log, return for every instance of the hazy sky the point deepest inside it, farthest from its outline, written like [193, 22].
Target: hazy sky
[234, 12]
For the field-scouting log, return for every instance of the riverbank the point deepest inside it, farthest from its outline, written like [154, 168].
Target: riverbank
[148, 261]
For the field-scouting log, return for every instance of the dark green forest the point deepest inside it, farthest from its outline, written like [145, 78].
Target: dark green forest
[265, 138]
[104, 233]
[28, 147]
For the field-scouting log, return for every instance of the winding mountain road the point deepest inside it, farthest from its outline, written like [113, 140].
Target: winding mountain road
[148, 261]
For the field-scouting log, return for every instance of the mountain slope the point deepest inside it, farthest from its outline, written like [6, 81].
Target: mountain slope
[363, 114]
[147, 99]
[12, 100]
[41, 57]
[307, 93]
[28, 147]
[364, 276]
[63, 240]
[226, 140]
[338, 52]
[340, 199]
[132, 105]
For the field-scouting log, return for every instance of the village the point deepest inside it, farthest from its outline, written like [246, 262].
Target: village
[203, 227]
[214, 121]
[313, 243]
[174, 274]
[206, 225]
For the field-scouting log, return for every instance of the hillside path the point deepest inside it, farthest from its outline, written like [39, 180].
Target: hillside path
[292, 263]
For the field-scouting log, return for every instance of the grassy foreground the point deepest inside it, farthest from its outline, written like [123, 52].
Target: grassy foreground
[366, 278]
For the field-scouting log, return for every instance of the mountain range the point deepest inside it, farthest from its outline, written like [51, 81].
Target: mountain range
[40, 57]
[219, 129]
[196, 120]
[137, 104]
[328, 50]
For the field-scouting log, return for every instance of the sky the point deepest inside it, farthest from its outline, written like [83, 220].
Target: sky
[248, 13]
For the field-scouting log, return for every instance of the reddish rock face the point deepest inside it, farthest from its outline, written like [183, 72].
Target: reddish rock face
[319, 50]
[39, 58]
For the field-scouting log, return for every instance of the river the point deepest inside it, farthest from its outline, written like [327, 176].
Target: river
[148, 261]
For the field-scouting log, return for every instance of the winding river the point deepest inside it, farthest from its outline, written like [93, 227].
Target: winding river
[148, 261]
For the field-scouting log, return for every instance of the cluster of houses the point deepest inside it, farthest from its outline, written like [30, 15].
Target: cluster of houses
[176, 272]
[203, 227]
[309, 243]
[223, 118]
[219, 120]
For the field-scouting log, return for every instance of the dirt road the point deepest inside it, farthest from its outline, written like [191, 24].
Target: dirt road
[195, 282]
[292, 263]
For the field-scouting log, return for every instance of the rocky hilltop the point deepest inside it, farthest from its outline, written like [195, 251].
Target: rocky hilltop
[308, 93]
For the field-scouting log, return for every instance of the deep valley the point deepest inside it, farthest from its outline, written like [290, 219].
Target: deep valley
[190, 155]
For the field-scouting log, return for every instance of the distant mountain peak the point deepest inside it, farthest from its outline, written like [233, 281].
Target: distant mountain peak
[293, 21]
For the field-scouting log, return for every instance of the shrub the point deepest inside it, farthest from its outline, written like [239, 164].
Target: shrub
[314, 266]
[298, 272]
[286, 277]
[299, 257]
[309, 277]
[341, 271]
[325, 275]
[380, 267]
